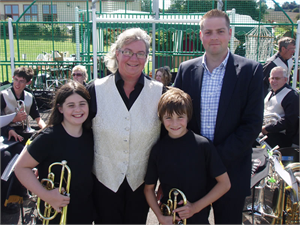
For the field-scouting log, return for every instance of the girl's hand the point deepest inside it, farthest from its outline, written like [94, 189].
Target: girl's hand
[57, 200]
[17, 137]
[186, 211]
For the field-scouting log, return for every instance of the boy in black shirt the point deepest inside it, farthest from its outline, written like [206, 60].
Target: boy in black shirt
[185, 161]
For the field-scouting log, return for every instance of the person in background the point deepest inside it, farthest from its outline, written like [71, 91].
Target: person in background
[79, 74]
[163, 75]
[227, 95]
[282, 58]
[283, 101]
[6, 155]
[125, 127]
[22, 77]
[67, 137]
[192, 156]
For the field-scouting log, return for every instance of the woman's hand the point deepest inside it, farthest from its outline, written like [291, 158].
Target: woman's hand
[57, 200]
[14, 134]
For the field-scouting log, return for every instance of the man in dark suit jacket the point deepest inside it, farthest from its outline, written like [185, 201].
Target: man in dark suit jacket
[227, 94]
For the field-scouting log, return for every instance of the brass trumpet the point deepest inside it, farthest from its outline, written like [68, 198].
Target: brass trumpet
[170, 206]
[21, 108]
[49, 186]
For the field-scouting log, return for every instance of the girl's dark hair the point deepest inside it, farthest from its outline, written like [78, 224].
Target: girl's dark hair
[72, 87]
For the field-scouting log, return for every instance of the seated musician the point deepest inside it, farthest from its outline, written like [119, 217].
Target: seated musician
[7, 153]
[183, 160]
[284, 101]
[22, 77]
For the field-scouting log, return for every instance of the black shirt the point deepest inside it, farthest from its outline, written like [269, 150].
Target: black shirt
[54, 144]
[186, 163]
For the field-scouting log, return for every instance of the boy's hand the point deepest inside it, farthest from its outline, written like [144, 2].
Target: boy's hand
[20, 117]
[186, 211]
[165, 219]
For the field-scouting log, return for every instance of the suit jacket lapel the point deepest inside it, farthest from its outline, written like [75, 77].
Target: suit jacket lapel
[198, 74]
[229, 81]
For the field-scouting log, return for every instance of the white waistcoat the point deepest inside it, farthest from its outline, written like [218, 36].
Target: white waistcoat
[123, 139]
[274, 104]
[288, 68]
[11, 102]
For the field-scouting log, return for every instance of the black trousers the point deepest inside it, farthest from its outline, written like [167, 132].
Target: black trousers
[229, 209]
[17, 187]
[279, 139]
[123, 207]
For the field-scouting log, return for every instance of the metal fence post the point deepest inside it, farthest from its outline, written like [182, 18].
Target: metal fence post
[94, 39]
[156, 17]
[11, 44]
[77, 34]
[232, 31]
[296, 57]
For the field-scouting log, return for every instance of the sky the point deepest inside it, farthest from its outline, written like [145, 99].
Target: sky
[270, 3]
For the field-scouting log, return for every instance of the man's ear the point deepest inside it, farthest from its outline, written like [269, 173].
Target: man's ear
[29, 82]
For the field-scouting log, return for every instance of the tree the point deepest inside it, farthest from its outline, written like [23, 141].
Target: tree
[285, 5]
[246, 7]
[176, 6]
[293, 5]
[253, 8]
[288, 6]
[146, 5]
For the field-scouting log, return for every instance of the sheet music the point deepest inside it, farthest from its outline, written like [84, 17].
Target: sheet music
[5, 143]
[282, 173]
[9, 168]
[6, 119]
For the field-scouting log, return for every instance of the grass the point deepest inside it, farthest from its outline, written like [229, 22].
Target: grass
[32, 47]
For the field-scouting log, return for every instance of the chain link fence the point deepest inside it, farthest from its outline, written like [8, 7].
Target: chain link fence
[53, 36]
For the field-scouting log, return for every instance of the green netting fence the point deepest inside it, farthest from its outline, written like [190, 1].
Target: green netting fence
[54, 36]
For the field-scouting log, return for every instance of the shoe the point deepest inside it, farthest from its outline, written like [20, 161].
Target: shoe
[11, 208]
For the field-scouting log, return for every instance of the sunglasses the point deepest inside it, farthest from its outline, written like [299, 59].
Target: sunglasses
[77, 74]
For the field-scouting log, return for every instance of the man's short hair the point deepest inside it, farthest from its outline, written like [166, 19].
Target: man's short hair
[279, 68]
[176, 101]
[212, 14]
[285, 41]
[24, 72]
